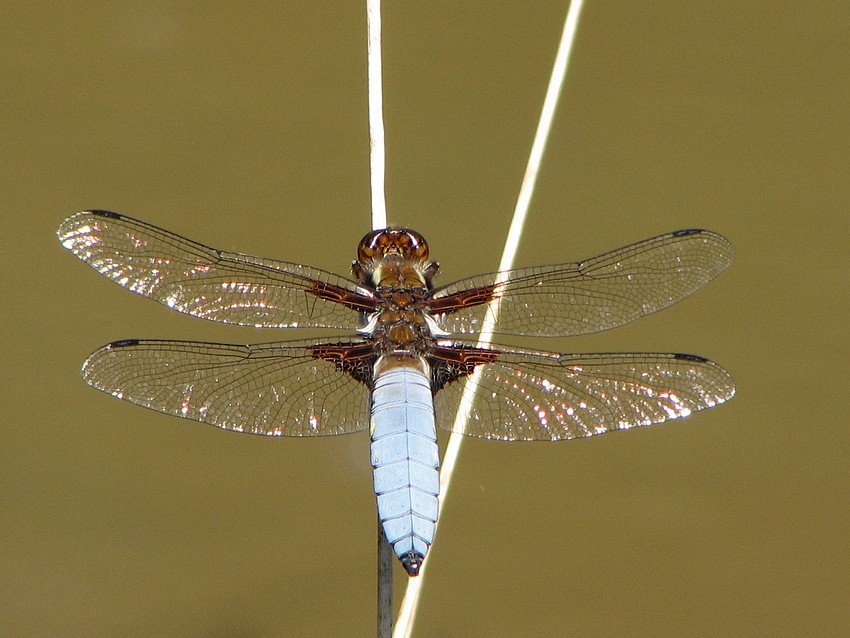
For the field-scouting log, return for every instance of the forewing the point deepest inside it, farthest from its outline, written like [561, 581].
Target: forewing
[209, 283]
[277, 389]
[587, 296]
[534, 396]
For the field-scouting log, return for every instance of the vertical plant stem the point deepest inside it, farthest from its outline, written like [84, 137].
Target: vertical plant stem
[377, 152]
[377, 162]
[385, 585]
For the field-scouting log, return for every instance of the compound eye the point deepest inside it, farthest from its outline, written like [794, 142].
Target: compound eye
[370, 245]
[416, 245]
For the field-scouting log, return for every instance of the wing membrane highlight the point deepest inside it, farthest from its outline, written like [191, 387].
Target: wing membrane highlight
[277, 389]
[538, 396]
[591, 295]
[212, 284]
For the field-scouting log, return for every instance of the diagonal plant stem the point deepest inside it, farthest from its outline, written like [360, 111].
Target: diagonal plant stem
[407, 615]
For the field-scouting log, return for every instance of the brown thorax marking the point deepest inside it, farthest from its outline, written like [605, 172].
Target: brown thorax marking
[400, 321]
[394, 263]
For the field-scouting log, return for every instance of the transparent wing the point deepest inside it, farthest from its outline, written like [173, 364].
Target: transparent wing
[277, 389]
[209, 283]
[524, 395]
[587, 296]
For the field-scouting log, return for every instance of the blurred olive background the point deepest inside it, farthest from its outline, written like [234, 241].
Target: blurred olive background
[244, 126]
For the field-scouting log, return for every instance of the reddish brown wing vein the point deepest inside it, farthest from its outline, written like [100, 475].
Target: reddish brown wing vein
[353, 359]
[340, 295]
[451, 363]
[463, 299]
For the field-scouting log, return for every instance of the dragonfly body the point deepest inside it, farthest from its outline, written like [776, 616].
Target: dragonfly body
[400, 370]
[405, 457]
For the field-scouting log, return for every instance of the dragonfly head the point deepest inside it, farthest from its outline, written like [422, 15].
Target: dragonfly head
[392, 241]
[398, 245]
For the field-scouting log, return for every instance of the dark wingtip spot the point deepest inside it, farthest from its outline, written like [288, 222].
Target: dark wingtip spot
[104, 213]
[412, 561]
[690, 357]
[123, 343]
[687, 231]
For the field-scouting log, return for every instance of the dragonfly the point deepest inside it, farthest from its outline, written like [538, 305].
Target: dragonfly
[402, 367]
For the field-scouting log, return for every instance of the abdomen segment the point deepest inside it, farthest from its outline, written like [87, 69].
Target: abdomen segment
[405, 457]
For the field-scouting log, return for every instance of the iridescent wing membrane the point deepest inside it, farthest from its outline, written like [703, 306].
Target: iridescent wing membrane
[531, 395]
[212, 284]
[587, 296]
[277, 389]
[286, 388]
[302, 388]
[525, 395]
